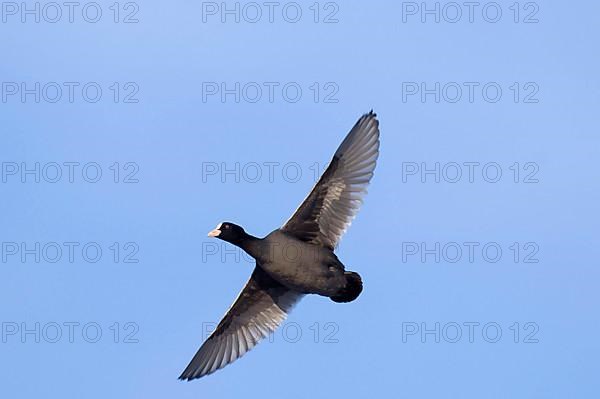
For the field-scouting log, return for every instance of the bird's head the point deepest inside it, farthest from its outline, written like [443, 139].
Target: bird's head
[227, 231]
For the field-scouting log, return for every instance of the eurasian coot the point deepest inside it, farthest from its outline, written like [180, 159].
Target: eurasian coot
[298, 258]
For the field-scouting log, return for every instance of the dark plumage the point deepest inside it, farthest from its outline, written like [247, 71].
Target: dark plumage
[298, 258]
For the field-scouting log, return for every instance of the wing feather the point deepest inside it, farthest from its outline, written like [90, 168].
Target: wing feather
[328, 210]
[259, 309]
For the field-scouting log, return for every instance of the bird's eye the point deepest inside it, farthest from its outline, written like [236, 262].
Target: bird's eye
[226, 226]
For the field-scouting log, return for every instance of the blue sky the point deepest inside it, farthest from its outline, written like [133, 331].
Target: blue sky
[122, 144]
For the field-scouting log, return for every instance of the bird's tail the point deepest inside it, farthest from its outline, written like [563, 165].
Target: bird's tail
[351, 290]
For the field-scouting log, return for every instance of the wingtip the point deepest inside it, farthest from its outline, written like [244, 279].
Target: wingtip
[188, 378]
[189, 375]
[371, 117]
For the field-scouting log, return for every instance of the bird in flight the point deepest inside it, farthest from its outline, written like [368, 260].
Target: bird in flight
[296, 259]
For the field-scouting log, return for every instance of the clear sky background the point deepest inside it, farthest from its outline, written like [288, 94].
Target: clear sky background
[427, 322]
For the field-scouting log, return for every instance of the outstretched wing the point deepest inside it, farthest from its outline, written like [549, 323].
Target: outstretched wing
[328, 210]
[258, 310]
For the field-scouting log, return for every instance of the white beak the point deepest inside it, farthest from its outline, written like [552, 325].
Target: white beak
[216, 231]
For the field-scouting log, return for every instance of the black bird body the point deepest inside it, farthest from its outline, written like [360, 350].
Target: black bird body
[298, 258]
[299, 266]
